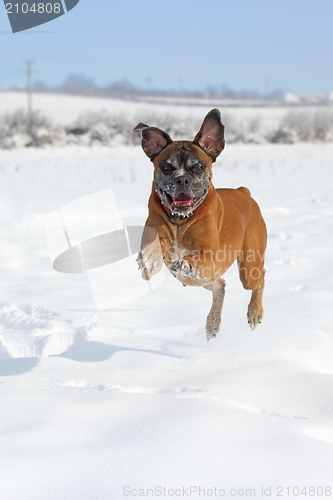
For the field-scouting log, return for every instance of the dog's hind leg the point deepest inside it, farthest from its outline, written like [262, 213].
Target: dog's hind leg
[214, 316]
[251, 265]
[255, 311]
[252, 276]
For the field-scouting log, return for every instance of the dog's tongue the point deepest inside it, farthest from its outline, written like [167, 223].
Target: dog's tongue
[183, 200]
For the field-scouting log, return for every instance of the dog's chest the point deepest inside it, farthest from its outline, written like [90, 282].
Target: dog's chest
[182, 244]
[181, 235]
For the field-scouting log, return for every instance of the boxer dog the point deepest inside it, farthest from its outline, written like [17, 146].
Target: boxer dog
[201, 230]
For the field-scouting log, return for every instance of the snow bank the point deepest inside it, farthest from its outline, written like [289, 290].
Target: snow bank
[28, 331]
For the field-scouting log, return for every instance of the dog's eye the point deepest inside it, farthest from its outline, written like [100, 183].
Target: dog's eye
[198, 167]
[165, 167]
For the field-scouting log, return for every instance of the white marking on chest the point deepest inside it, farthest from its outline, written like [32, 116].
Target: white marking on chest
[177, 253]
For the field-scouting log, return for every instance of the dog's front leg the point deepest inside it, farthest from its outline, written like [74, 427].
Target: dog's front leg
[195, 265]
[151, 256]
[185, 267]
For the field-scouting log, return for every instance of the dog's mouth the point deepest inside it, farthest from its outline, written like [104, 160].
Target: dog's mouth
[183, 200]
[181, 205]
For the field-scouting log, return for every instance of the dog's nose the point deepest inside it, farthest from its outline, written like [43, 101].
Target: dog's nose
[182, 180]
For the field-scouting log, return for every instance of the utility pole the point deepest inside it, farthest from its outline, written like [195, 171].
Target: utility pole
[29, 88]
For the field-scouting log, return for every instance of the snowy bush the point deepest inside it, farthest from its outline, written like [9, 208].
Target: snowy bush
[110, 129]
[247, 132]
[18, 129]
[304, 126]
[100, 128]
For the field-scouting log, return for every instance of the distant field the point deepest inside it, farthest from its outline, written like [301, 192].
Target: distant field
[64, 109]
[62, 120]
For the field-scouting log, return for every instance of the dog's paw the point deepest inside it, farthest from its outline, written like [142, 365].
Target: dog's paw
[254, 318]
[150, 260]
[182, 267]
[210, 335]
[212, 325]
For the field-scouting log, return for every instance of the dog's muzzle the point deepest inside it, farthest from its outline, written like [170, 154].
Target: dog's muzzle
[182, 205]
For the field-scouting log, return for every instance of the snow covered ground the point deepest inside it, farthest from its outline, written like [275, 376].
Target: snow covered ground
[108, 405]
[64, 109]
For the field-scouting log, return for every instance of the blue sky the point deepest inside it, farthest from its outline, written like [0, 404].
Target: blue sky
[242, 44]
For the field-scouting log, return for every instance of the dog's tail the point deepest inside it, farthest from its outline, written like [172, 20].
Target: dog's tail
[245, 190]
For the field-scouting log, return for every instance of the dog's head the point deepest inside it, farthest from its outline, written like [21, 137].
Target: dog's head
[183, 169]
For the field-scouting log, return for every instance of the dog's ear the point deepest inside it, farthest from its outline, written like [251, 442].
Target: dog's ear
[153, 139]
[211, 135]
